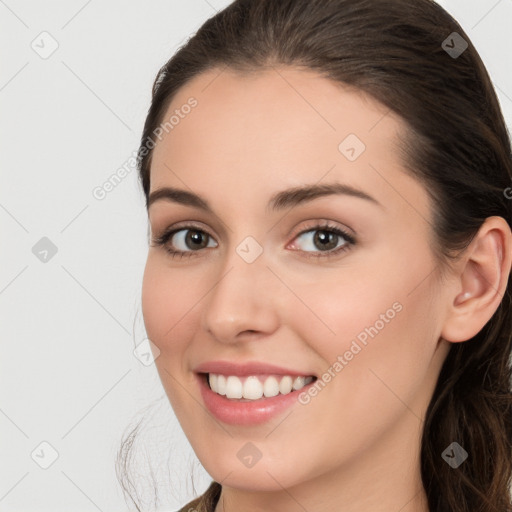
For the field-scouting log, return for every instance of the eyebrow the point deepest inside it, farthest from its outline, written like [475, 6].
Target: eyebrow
[279, 201]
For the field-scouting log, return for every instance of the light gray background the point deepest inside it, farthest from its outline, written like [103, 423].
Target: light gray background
[69, 325]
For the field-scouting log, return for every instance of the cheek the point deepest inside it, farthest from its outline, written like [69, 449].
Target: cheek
[340, 309]
[344, 303]
[168, 304]
[372, 329]
[168, 300]
[390, 373]
[384, 342]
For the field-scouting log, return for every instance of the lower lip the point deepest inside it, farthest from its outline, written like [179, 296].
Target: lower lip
[246, 413]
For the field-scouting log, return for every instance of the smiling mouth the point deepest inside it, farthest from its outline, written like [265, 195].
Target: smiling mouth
[254, 387]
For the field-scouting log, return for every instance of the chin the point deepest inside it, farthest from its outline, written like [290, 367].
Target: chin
[263, 476]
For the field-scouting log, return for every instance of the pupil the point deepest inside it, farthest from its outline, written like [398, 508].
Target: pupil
[325, 238]
[195, 237]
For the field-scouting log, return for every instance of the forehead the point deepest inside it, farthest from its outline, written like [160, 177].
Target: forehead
[278, 128]
[272, 110]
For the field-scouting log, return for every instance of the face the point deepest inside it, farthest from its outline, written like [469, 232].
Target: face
[338, 285]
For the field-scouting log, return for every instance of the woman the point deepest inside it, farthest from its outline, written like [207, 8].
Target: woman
[328, 278]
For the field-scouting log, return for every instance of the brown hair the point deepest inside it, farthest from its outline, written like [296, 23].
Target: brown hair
[457, 145]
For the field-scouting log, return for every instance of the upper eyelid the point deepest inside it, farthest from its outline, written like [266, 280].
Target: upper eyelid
[179, 227]
[313, 225]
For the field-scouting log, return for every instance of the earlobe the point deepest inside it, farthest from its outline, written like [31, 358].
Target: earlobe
[482, 281]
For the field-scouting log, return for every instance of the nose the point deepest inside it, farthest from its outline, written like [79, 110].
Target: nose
[243, 301]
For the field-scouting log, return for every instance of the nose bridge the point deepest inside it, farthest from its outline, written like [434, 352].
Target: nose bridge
[241, 297]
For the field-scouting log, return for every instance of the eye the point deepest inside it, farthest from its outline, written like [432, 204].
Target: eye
[185, 240]
[326, 239]
[318, 241]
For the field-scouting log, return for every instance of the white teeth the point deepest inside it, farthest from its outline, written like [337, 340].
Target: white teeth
[271, 387]
[252, 387]
[221, 384]
[234, 387]
[213, 380]
[298, 383]
[286, 384]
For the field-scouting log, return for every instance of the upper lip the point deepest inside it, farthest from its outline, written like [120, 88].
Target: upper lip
[247, 368]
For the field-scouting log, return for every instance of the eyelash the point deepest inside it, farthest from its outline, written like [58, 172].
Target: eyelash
[350, 240]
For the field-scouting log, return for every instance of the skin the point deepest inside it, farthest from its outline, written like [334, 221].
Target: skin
[354, 446]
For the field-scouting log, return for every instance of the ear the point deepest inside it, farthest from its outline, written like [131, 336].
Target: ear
[481, 281]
